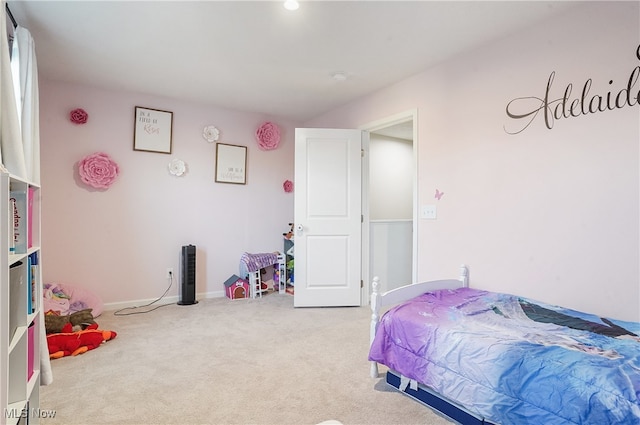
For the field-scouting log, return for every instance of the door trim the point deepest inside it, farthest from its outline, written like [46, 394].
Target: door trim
[409, 115]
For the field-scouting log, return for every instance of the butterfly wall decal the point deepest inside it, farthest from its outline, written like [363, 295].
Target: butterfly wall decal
[438, 194]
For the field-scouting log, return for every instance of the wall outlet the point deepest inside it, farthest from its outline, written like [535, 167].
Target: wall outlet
[169, 272]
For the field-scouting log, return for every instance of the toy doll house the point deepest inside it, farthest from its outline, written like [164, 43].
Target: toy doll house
[236, 288]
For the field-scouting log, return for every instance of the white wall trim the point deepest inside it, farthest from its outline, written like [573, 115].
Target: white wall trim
[109, 307]
[395, 220]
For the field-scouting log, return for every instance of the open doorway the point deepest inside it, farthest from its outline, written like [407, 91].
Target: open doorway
[391, 202]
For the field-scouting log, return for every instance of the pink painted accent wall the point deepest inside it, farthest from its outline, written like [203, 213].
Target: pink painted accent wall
[548, 214]
[118, 243]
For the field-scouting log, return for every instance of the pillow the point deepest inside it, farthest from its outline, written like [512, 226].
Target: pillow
[67, 299]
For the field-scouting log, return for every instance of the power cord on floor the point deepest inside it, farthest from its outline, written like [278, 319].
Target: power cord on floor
[120, 312]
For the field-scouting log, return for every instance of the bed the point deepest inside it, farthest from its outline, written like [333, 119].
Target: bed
[480, 357]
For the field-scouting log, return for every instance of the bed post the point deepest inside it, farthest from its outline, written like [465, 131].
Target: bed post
[374, 320]
[464, 275]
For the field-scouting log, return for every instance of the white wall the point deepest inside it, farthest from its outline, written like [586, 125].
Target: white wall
[552, 214]
[391, 178]
[391, 252]
[391, 210]
[118, 243]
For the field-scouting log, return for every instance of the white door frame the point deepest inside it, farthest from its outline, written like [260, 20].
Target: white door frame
[401, 117]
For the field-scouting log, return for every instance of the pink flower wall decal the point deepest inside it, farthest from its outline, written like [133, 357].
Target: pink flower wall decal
[98, 170]
[78, 116]
[288, 186]
[268, 136]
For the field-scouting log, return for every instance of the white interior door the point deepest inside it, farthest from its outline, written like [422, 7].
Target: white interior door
[328, 216]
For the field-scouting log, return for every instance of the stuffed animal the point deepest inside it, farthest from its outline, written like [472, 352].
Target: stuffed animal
[54, 323]
[68, 343]
[289, 234]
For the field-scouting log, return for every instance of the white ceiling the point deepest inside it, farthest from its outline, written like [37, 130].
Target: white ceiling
[256, 56]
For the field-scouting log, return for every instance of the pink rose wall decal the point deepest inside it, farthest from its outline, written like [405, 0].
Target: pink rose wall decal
[98, 170]
[78, 116]
[288, 186]
[268, 136]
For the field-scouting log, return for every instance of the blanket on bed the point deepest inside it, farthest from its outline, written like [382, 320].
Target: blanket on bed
[513, 360]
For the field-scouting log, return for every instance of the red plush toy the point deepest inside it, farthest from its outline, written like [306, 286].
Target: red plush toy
[68, 343]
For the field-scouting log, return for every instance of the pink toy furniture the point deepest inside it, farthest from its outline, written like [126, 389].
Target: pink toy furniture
[236, 288]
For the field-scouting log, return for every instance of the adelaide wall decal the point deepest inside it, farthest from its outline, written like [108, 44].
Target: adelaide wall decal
[569, 107]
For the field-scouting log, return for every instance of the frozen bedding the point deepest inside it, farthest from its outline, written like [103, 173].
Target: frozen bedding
[512, 360]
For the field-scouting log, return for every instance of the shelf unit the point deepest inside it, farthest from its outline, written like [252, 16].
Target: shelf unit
[288, 260]
[20, 301]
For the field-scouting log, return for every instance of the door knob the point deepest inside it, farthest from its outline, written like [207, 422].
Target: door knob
[299, 228]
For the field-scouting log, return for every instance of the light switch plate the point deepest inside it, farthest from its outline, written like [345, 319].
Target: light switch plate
[429, 212]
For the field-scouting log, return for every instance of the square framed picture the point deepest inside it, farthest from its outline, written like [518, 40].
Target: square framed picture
[153, 130]
[231, 163]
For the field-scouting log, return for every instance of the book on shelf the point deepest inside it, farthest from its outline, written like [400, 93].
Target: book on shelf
[12, 238]
[29, 287]
[30, 196]
[17, 295]
[33, 273]
[18, 201]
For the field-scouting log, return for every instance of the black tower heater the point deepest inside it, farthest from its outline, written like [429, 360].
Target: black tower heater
[188, 289]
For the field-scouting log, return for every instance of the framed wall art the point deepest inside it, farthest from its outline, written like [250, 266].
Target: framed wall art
[153, 130]
[231, 163]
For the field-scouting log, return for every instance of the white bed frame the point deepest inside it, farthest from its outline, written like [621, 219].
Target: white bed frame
[380, 300]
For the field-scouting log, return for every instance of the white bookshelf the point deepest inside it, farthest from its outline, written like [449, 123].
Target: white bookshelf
[20, 304]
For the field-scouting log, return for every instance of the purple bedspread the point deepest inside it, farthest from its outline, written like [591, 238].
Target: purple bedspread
[512, 360]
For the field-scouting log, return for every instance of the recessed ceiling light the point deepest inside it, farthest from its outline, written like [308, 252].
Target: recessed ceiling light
[339, 76]
[291, 5]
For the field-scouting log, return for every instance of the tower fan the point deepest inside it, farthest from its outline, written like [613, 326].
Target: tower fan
[188, 287]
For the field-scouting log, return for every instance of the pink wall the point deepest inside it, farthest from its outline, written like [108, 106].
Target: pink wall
[119, 242]
[549, 214]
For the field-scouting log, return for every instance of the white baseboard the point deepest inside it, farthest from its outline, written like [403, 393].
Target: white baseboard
[166, 300]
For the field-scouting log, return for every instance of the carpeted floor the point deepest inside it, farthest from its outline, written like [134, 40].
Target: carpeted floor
[229, 362]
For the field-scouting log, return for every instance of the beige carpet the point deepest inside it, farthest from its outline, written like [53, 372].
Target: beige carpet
[230, 362]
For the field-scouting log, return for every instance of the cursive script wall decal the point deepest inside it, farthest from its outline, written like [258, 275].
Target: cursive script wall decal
[564, 107]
